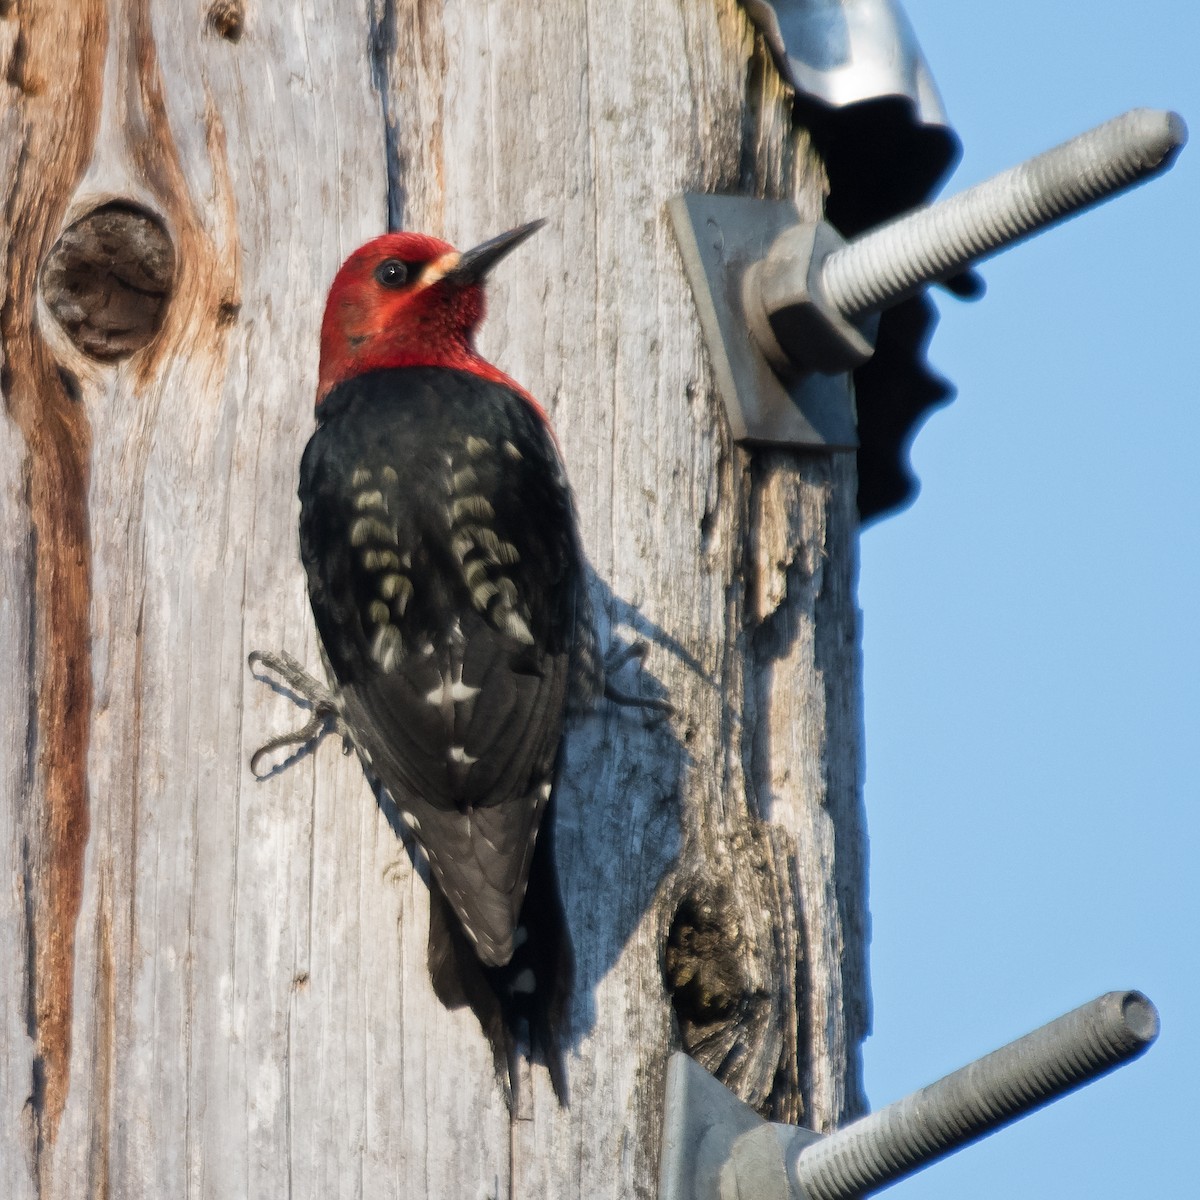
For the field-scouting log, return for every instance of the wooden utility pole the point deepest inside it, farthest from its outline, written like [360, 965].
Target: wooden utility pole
[216, 987]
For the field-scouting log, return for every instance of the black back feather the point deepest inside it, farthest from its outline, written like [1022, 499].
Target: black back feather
[447, 584]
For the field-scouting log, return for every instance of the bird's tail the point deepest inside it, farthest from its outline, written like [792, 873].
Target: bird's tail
[524, 1005]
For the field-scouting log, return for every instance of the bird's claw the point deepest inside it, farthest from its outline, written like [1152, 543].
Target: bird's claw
[306, 691]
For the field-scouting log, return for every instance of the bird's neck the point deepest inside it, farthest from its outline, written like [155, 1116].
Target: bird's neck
[451, 354]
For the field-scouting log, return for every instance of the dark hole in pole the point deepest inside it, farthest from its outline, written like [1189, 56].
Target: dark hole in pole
[108, 280]
[700, 966]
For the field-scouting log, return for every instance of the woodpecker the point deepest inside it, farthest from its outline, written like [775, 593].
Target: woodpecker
[447, 582]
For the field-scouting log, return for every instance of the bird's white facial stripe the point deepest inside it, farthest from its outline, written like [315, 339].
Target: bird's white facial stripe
[439, 268]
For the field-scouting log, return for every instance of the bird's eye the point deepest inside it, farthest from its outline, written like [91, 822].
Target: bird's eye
[392, 273]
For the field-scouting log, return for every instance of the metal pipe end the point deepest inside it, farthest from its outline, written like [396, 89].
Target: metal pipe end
[1138, 1013]
[1159, 135]
[1179, 130]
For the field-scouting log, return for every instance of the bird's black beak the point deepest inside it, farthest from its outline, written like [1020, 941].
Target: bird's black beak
[474, 264]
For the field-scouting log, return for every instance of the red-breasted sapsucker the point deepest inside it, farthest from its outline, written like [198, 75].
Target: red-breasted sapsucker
[448, 587]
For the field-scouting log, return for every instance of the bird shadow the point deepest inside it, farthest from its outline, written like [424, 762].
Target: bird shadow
[618, 828]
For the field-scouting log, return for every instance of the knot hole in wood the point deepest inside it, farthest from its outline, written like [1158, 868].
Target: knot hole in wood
[702, 967]
[108, 280]
[227, 19]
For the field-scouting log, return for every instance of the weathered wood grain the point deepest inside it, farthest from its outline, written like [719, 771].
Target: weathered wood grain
[240, 999]
[51, 128]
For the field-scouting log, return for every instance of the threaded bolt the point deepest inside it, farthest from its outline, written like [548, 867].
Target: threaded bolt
[981, 1097]
[895, 261]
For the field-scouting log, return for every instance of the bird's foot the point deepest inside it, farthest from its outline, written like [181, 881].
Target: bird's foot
[306, 691]
[613, 663]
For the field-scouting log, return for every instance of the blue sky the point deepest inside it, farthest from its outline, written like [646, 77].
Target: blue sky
[1032, 664]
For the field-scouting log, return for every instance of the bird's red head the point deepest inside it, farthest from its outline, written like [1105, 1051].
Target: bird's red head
[408, 300]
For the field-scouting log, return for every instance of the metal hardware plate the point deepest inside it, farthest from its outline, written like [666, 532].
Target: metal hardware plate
[720, 237]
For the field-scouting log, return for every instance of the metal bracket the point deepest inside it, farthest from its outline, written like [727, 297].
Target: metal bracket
[717, 1148]
[721, 238]
[788, 307]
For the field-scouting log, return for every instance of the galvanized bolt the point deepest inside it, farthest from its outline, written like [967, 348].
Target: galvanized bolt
[807, 300]
[896, 260]
[981, 1097]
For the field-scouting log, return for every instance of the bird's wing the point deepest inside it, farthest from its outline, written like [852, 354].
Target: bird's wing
[443, 574]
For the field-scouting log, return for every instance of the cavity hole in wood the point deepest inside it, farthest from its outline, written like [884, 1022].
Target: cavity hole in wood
[700, 965]
[227, 19]
[108, 280]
